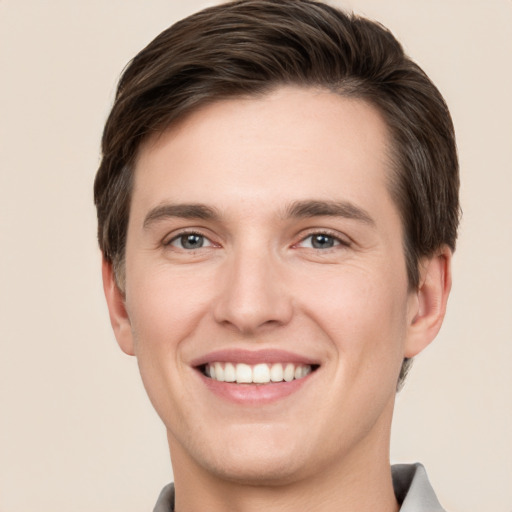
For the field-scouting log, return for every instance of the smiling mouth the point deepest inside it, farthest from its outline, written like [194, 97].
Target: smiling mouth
[262, 373]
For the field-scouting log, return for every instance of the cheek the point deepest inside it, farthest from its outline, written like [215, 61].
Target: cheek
[164, 307]
[164, 310]
[364, 315]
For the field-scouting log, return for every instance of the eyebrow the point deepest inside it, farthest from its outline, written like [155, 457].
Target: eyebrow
[313, 208]
[297, 209]
[183, 211]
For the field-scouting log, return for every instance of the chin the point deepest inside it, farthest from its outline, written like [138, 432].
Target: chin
[260, 455]
[267, 469]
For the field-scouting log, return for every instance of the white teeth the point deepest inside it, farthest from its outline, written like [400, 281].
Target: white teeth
[229, 373]
[261, 373]
[276, 373]
[289, 372]
[243, 373]
[219, 372]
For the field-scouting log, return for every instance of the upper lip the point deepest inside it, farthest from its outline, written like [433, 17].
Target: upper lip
[251, 357]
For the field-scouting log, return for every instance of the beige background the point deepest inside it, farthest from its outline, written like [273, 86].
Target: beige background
[76, 430]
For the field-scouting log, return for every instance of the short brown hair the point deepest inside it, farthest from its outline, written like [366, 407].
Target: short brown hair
[249, 47]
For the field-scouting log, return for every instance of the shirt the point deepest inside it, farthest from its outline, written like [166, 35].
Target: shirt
[412, 490]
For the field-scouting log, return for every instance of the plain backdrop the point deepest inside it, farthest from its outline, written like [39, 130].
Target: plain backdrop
[76, 429]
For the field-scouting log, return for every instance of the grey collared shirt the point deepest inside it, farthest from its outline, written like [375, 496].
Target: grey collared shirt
[412, 489]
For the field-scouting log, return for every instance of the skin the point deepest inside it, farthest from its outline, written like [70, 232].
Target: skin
[259, 283]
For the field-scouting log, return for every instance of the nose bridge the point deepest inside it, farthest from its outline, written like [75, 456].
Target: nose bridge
[252, 293]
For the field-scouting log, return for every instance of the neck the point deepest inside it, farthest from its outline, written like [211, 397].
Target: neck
[361, 481]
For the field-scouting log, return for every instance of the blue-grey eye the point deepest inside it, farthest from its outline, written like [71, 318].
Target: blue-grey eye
[190, 241]
[321, 241]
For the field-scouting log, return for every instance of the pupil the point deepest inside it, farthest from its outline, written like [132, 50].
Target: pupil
[192, 241]
[322, 241]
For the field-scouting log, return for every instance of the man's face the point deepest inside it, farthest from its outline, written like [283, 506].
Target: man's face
[263, 241]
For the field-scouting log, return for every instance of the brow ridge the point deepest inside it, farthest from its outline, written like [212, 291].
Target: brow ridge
[321, 208]
[297, 209]
[183, 211]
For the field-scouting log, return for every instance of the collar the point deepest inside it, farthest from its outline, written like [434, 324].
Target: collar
[413, 490]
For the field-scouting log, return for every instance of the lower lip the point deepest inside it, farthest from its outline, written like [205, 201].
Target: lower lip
[254, 394]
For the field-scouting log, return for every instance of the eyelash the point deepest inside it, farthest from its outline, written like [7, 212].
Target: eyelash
[184, 234]
[337, 240]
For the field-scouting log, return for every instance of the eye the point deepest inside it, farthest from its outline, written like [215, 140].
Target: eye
[321, 241]
[190, 241]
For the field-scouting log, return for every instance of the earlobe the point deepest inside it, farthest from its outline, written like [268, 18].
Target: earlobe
[117, 311]
[428, 303]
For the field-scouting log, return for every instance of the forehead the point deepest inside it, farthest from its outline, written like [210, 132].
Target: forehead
[291, 144]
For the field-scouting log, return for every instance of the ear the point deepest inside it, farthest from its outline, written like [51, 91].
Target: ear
[427, 304]
[116, 307]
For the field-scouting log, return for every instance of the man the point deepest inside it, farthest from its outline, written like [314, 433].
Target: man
[278, 206]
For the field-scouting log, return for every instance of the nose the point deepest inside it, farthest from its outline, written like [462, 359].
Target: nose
[253, 294]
